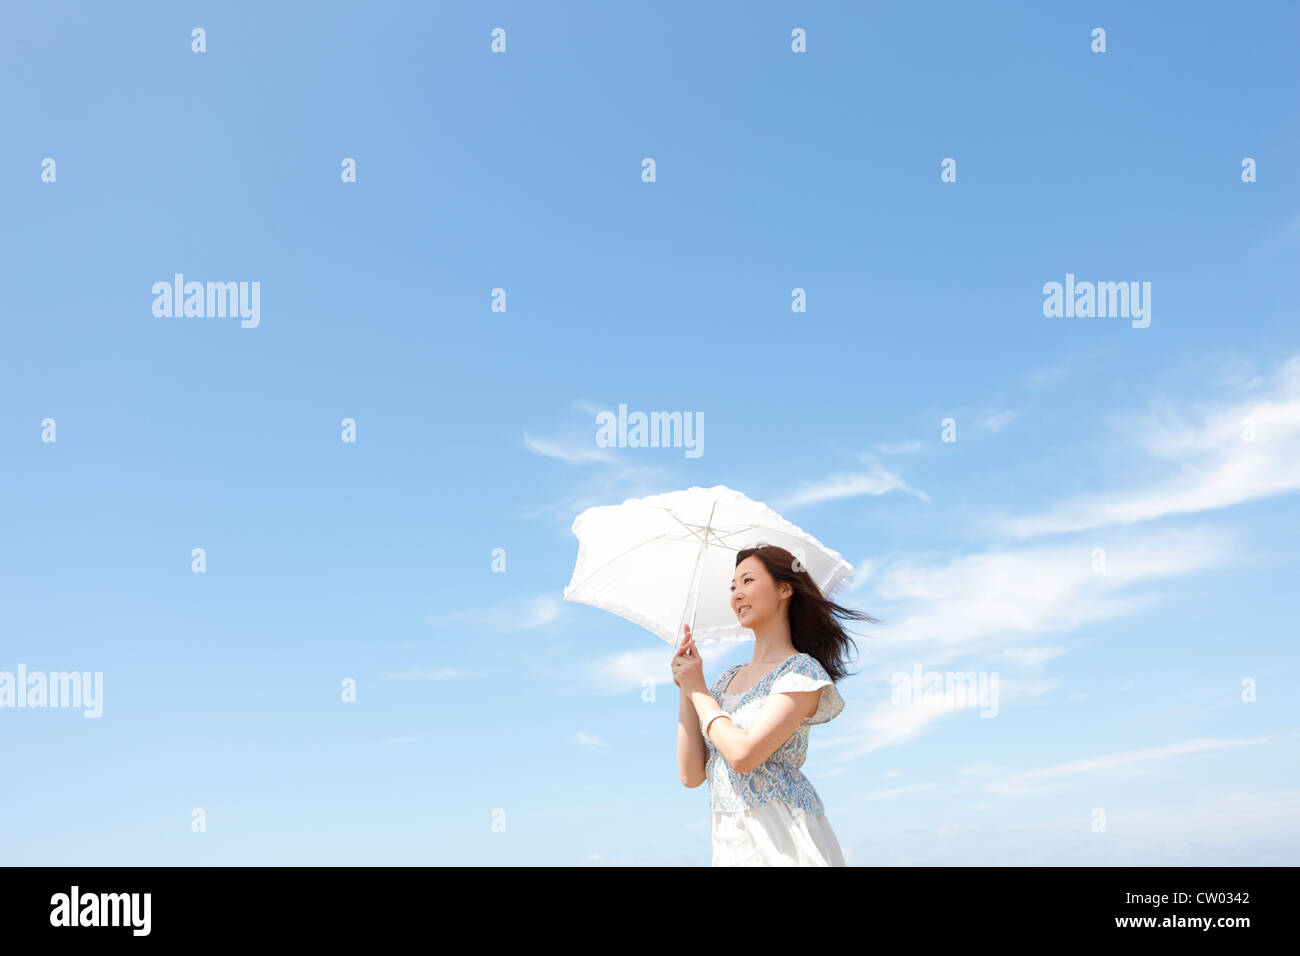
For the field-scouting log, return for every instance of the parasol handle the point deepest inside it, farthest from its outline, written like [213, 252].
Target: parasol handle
[694, 586]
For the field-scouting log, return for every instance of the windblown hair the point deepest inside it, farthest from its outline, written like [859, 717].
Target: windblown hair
[814, 629]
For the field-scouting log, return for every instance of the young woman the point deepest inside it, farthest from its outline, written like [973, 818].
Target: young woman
[748, 734]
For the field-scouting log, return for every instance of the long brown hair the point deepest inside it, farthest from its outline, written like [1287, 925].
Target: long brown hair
[814, 629]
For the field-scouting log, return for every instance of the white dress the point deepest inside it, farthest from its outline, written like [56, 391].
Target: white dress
[772, 816]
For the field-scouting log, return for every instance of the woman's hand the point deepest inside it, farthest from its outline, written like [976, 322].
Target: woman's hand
[688, 668]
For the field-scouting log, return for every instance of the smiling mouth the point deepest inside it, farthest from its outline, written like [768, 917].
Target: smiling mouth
[742, 609]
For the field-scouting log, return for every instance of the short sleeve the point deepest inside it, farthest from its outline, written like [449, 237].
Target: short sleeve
[806, 673]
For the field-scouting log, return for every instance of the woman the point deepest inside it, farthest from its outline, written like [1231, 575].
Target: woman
[748, 735]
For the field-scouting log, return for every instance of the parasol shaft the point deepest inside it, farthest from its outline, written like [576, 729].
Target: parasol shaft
[694, 585]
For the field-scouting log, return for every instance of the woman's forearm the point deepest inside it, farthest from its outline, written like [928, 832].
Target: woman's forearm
[729, 739]
[692, 754]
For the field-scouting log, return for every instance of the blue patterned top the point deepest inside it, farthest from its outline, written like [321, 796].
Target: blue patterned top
[778, 778]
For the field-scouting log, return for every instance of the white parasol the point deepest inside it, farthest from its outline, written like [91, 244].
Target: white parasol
[656, 560]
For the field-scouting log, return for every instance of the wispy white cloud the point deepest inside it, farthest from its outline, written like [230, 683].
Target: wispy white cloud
[1234, 372]
[987, 422]
[993, 778]
[862, 572]
[618, 476]
[1030, 656]
[1000, 606]
[1044, 376]
[899, 447]
[589, 740]
[630, 670]
[1060, 370]
[570, 452]
[883, 725]
[514, 614]
[541, 610]
[1226, 819]
[1235, 452]
[1259, 828]
[1038, 781]
[878, 481]
[1011, 606]
[887, 724]
[977, 603]
[611, 485]
[994, 422]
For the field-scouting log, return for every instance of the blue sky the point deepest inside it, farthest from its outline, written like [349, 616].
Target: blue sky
[372, 560]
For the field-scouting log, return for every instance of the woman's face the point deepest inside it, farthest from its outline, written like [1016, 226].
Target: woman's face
[754, 594]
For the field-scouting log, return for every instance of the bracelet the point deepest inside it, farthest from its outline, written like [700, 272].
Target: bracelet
[721, 713]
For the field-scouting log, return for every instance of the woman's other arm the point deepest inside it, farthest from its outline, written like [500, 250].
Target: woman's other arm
[692, 754]
[746, 749]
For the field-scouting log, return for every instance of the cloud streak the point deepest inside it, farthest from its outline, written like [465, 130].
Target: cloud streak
[517, 614]
[1033, 781]
[878, 481]
[1237, 452]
